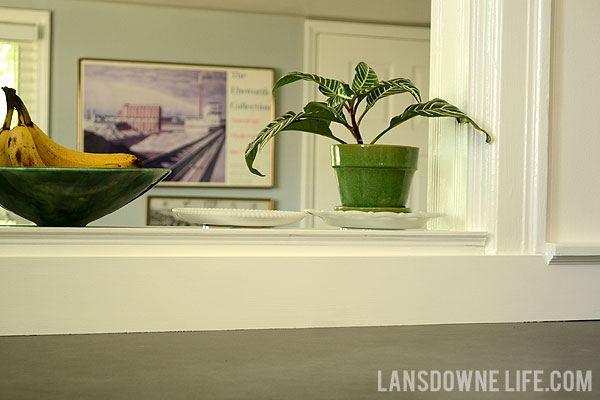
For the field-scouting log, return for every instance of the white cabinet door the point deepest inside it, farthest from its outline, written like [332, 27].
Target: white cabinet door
[333, 51]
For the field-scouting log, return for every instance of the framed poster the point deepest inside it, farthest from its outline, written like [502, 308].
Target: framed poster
[193, 119]
[159, 207]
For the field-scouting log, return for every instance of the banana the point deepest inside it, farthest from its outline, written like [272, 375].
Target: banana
[21, 150]
[5, 130]
[3, 157]
[17, 146]
[53, 154]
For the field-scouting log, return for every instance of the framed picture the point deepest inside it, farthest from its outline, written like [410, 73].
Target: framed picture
[159, 207]
[196, 120]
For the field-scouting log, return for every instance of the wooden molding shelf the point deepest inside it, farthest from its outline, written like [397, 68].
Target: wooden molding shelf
[153, 279]
[572, 254]
[20, 241]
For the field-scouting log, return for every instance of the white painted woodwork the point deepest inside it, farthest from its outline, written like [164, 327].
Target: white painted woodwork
[573, 254]
[333, 50]
[447, 140]
[27, 241]
[91, 280]
[491, 59]
[574, 192]
[18, 31]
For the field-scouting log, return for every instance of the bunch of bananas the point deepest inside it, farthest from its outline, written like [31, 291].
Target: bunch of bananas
[26, 145]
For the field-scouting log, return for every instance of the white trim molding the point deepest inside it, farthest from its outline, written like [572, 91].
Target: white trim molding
[573, 254]
[87, 287]
[93, 242]
[150, 279]
[491, 58]
[18, 31]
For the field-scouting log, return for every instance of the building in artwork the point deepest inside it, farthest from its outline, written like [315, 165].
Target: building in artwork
[144, 118]
[211, 119]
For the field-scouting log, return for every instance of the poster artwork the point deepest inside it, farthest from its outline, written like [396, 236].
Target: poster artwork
[194, 120]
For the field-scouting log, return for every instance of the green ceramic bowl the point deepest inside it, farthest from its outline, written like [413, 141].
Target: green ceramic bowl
[72, 196]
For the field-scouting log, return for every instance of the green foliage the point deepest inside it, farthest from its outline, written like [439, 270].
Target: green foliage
[432, 109]
[364, 78]
[342, 107]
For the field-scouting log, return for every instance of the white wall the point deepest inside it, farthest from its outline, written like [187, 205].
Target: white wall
[574, 187]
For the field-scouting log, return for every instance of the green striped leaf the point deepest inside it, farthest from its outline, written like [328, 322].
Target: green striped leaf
[317, 126]
[290, 121]
[433, 109]
[329, 87]
[336, 102]
[389, 88]
[319, 110]
[364, 78]
[337, 92]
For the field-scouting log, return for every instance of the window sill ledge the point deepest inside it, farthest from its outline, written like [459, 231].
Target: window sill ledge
[572, 254]
[25, 241]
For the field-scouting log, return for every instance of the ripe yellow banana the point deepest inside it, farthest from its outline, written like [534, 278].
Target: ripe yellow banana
[17, 148]
[4, 133]
[53, 154]
[21, 150]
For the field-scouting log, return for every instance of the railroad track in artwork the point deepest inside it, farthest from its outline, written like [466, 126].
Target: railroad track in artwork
[191, 162]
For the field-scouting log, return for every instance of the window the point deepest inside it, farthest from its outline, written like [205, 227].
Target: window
[18, 70]
[8, 68]
[8, 60]
[24, 59]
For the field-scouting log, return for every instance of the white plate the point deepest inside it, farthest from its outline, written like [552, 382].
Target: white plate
[238, 217]
[374, 220]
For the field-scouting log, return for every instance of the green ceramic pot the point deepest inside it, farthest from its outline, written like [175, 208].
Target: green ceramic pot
[374, 177]
[72, 196]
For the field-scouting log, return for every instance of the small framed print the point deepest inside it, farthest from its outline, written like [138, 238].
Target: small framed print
[159, 207]
[196, 120]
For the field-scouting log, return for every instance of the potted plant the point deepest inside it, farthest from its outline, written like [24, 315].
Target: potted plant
[371, 177]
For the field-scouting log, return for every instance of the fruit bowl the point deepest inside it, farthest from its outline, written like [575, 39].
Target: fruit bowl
[72, 196]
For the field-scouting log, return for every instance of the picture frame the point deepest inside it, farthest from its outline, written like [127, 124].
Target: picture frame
[159, 207]
[196, 120]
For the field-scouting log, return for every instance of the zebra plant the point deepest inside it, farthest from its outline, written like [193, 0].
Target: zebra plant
[347, 105]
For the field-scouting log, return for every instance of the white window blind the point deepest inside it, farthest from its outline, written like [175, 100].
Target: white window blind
[19, 70]
[18, 31]
[24, 59]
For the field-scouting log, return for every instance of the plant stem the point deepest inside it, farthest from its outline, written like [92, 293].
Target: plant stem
[361, 117]
[344, 124]
[380, 135]
[355, 130]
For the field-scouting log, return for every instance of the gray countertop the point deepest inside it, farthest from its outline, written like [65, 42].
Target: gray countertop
[325, 363]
